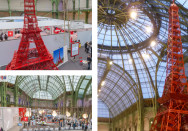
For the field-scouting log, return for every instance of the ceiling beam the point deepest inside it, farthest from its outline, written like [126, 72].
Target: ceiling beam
[107, 69]
[39, 82]
[48, 77]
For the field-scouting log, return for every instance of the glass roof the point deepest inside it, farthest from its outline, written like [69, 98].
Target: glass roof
[50, 87]
[103, 110]
[119, 91]
[130, 46]
[42, 95]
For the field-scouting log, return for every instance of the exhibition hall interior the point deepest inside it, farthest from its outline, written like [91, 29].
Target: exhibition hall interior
[142, 65]
[45, 103]
[46, 34]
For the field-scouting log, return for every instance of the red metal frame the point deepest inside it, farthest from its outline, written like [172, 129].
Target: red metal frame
[38, 58]
[71, 48]
[173, 112]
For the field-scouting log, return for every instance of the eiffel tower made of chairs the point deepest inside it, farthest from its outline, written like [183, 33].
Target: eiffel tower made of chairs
[38, 58]
[173, 110]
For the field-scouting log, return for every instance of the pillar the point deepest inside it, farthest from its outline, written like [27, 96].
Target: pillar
[3, 95]
[74, 13]
[87, 12]
[64, 103]
[9, 10]
[78, 9]
[16, 96]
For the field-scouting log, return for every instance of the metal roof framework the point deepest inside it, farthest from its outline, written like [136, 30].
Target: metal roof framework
[51, 87]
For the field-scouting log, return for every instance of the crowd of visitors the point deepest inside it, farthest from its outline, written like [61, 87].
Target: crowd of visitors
[88, 49]
[3, 36]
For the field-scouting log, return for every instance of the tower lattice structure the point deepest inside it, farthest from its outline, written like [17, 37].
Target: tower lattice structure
[173, 111]
[38, 58]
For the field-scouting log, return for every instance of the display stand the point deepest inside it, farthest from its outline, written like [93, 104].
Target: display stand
[74, 51]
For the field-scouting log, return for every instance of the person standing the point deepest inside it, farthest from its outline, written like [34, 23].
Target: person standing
[74, 125]
[85, 127]
[86, 47]
[6, 37]
[91, 50]
[1, 37]
[89, 61]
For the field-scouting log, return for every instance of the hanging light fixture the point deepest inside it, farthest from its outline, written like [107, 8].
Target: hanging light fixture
[68, 114]
[54, 113]
[133, 15]
[153, 43]
[103, 82]
[111, 62]
[40, 111]
[149, 29]
[85, 116]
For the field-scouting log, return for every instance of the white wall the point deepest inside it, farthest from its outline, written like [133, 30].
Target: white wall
[52, 42]
[84, 36]
[9, 116]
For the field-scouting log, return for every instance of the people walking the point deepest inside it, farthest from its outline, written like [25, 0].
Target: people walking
[89, 61]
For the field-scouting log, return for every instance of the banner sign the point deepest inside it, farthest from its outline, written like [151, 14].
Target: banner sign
[25, 119]
[74, 49]
[73, 36]
[22, 112]
[3, 78]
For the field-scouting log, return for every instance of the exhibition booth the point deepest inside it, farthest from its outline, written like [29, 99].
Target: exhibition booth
[25, 119]
[56, 34]
[14, 116]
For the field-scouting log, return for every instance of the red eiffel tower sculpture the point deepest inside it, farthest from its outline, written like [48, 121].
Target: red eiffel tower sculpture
[173, 112]
[38, 58]
[59, 60]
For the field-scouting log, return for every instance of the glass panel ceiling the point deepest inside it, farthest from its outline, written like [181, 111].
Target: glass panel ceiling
[119, 91]
[43, 95]
[103, 110]
[50, 87]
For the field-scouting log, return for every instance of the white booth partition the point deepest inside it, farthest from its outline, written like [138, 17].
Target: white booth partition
[9, 117]
[84, 36]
